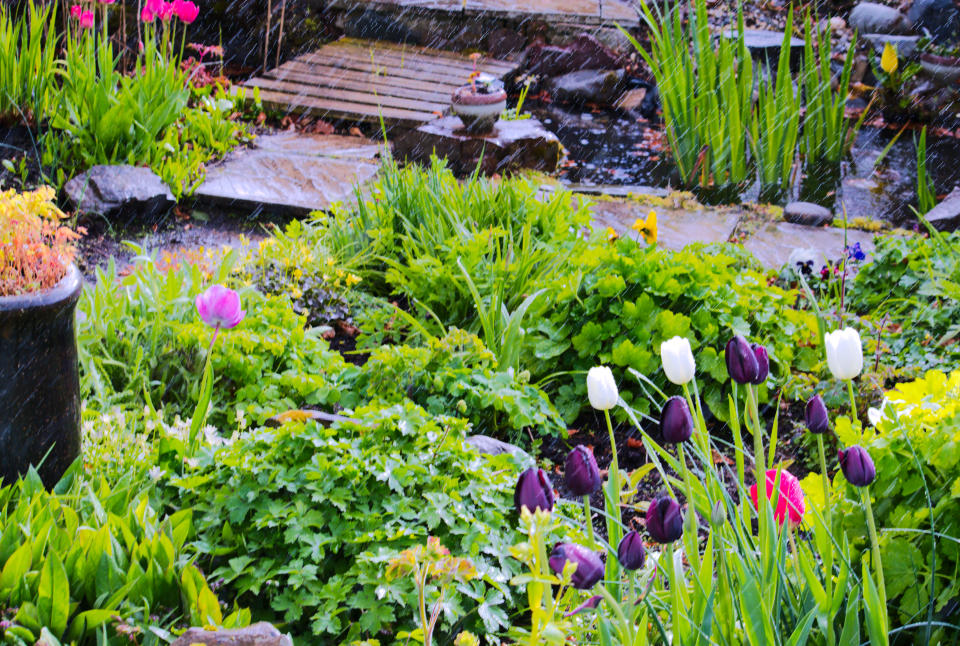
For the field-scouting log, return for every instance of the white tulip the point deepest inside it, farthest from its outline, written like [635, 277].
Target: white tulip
[601, 388]
[677, 358]
[844, 353]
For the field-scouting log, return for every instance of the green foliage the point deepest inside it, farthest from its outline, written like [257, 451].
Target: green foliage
[457, 375]
[633, 298]
[97, 565]
[916, 449]
[142, 343]
[910, 288]
[926, 193]
[301, 521]
[28, 51]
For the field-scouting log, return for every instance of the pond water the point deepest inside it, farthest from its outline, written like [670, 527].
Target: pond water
[613, 148]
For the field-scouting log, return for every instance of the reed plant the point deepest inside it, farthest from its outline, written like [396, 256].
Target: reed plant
[28, 53]
[926, 194]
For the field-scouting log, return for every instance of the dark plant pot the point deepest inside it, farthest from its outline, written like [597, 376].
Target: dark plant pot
[40, 381]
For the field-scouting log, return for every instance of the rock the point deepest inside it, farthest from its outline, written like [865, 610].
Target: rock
[774, 243]
[377, 26]
[598, 86]
[492, 446]
[522, 143]
[584, 53]
[946, 215]
[764, 46]
[116, 190]
[292, 172]
[906, 46]
[807, 213]
[631, 99]
[677, 226]
[503, 42]
[873, 18]
[940, 18]
[259, 634]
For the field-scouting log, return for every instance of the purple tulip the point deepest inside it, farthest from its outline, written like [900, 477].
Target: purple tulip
[534, 491]
[857, 466]
[742, 362]
[219, 307]
[589, 565]
[589, 604]
[664, 520]
[763, 363]
[631, 552]
[816, 416]
[676, 423]
[582, 473]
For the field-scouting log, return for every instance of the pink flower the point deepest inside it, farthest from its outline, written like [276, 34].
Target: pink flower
[86, 19]
[219, 307]
[76, 11]
[107, 1]
[790, 494]
[185, 10]
[152, 9]
[166, 11]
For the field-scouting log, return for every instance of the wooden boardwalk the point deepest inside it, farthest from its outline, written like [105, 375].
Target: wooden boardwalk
[360, 80]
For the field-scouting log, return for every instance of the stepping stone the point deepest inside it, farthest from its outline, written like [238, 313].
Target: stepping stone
[773, 243]
[292, 172]
[764, 46]
[676, 227]
[946, 215]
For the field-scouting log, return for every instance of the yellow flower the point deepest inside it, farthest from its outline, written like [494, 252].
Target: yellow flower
[647, 228]
[888, 61]
[612, 235]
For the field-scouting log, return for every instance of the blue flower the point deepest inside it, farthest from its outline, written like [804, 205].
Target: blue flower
[855, 253]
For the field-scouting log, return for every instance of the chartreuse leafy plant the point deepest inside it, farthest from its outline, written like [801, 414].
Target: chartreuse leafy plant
[915, 441]
[28, 43]
[95, 564]
[301, 521]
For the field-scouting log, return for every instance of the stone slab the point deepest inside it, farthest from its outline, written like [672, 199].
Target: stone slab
[946, 215]
[773, 242]
[676, 227]
[292, 172]
[522, 143]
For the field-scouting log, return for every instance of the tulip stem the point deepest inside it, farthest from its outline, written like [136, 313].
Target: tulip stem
[853, 400]
[875, 544]
[614, 533]
[759, 459]
[828, 555]
[588, 518]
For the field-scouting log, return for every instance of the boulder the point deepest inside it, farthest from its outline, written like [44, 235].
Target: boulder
[116, 190]
[584, 53]
[807, 213]
[946, 215]
[492, 446]
[906, 46]
[873, 18]
[940, 18]
[764, 46]
[597, 86]
[259, 634]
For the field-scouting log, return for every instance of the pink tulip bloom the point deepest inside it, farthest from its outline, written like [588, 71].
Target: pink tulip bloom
[166, 11]
[790, 501]
[219, 307]
[76, 11]
[185, 10]
[146, 15]
[107, 1]
[152, 9]
[86, 20]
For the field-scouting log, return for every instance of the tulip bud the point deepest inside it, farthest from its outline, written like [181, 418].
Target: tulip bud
[589, 565]
[534, 491]
[664, 520]
[677, 358]
[601, 388]
[763, 363]
[844, 353]
[857, 466]
[816, 416]
[631, 552]
[582, 474]
[742, 365]
[676, 423]
[791, 504]
[718, 515]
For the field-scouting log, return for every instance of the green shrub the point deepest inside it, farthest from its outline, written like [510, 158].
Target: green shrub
[632, 298]
[28, 51]
[916, 450]
[95, 564]
[300, 521]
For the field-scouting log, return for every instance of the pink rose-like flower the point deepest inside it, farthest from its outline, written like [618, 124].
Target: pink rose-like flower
[219, 307]
[76, 11]
[86, 20]
[790, 501]
[185, 10]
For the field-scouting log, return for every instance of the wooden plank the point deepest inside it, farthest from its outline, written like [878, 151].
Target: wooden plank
[365, 98]
[342, 110]
[392, 60]
[334, 73]
[416, 55]
[384, 88]
[451, 77]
